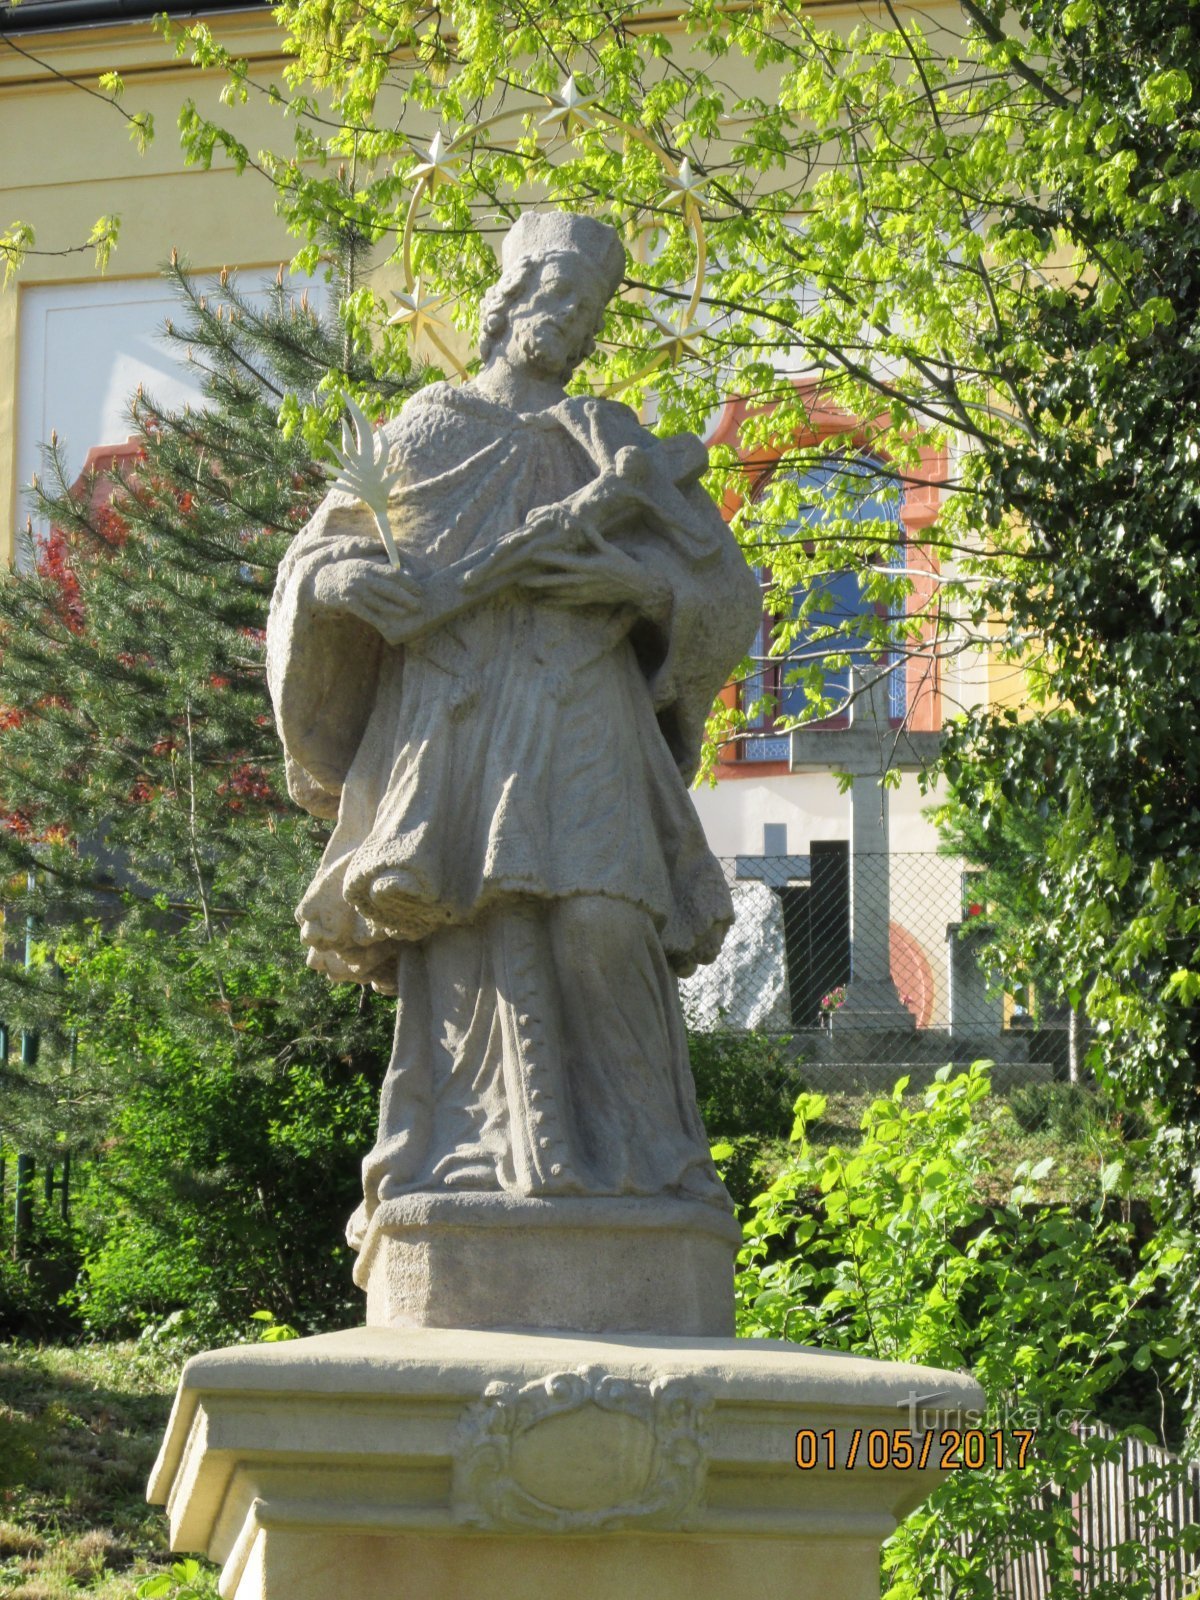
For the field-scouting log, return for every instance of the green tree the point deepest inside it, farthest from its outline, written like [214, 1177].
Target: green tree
[221, 1092]
[976, 233]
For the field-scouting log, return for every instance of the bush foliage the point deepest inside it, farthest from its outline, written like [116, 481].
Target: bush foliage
[889, 1249]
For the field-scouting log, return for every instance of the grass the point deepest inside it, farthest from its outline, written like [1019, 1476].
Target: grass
[1077, 1138]
[79, 1430]
[1055, 1121]
[747, 1082]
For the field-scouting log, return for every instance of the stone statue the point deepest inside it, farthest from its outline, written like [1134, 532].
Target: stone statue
[501, 709]
[503, 728]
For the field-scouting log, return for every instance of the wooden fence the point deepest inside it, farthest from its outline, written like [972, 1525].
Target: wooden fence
[1130, 1508]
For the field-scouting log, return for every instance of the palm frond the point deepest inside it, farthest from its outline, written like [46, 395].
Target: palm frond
[363, 463]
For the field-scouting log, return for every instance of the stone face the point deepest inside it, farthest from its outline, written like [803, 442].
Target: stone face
[531, 1467]
[503, 727]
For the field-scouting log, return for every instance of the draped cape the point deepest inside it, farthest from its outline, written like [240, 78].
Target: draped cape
[528, 747]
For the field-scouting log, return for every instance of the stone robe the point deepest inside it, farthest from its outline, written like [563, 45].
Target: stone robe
[515, 853]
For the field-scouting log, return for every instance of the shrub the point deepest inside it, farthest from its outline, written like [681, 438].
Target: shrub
[888, 1250]
[1068, 1110]
[745, 1083]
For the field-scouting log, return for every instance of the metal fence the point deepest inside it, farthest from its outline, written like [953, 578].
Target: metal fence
[1132, 1508]
[872, 965]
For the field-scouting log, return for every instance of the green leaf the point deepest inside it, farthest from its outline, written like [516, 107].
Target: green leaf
[1164, 93]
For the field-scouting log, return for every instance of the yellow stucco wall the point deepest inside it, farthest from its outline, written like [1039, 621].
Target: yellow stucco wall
[66, 159]
[8, 424]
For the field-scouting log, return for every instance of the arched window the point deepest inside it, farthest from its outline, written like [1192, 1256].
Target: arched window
[876, 497]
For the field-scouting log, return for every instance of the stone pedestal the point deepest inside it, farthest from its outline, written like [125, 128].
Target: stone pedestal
[442, 1464]
[567, 1264]
[974, 1007]
[868, 750]
[872, 1004]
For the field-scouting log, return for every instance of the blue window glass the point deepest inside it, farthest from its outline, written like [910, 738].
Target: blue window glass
[844, 605]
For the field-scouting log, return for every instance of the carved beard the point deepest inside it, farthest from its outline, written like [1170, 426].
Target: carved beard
[538, 344]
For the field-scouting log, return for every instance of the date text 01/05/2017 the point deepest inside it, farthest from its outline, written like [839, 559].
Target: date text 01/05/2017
[883, 1449]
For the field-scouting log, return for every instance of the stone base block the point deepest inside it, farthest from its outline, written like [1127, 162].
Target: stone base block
[439, 1464]
[872, 1004]
[366, 1567]
[600, 1266]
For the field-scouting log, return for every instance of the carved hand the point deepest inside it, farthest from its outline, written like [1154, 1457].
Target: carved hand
[522, 552]
[559, 552]
[600, 574]
[382, 597]
[553, 533]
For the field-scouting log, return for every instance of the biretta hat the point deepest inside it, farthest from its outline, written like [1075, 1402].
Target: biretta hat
[538, 234]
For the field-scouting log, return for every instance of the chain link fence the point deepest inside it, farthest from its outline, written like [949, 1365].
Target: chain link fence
[872, 967]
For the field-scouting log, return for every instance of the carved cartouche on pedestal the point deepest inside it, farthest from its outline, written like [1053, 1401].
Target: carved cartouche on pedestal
[504, 728]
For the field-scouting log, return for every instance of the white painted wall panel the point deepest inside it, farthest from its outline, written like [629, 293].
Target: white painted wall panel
[733, 813]
[84, 349]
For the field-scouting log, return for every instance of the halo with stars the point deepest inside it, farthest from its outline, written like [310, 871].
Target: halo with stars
[572, 111]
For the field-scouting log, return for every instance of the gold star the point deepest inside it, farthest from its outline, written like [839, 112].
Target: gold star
[677, 344]
[439, 166]
[418, 312]
[570, 111]
[684, 186]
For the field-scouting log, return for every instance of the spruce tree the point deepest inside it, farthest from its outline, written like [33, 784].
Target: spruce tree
[217, 1093]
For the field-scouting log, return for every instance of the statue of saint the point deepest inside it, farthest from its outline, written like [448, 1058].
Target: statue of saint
[504, 729]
